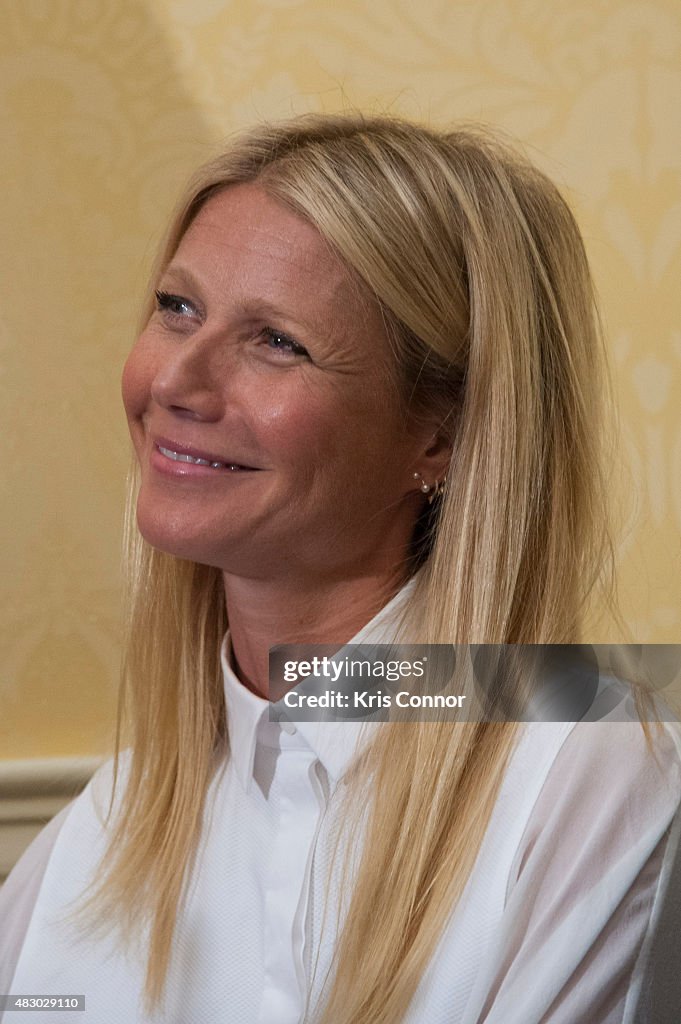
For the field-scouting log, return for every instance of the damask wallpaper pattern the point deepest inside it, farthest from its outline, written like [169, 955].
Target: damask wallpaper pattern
[106, 109]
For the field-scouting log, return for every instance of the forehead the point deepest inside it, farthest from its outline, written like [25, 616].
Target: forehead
[243, 240]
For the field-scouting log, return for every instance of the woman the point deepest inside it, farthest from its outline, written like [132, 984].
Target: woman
[353, 316]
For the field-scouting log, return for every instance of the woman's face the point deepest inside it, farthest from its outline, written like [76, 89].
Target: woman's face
[263, 355]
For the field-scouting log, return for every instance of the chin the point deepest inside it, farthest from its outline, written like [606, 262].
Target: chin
[173, 535]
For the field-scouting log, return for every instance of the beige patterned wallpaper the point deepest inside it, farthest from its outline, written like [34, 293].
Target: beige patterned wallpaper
[105, 109]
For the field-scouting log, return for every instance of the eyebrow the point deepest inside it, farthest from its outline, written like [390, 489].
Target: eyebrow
[183, 274]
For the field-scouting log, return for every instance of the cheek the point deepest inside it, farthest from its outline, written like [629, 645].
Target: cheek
[297, 433]
[297, 430]
[324, 438]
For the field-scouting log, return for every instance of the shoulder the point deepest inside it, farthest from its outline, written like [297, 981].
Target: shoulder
[70, 837]
[587, 877]
[610, 791]
[19, 894]
[623, 757]
[624, 749]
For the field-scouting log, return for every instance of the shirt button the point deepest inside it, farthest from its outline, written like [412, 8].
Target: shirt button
[288, 727]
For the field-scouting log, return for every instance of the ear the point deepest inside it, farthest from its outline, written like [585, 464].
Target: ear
[433, 460]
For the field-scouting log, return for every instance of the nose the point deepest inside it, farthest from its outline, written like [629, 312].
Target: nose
[190, 378]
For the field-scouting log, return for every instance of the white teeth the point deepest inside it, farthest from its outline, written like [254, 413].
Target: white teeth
[178, 457]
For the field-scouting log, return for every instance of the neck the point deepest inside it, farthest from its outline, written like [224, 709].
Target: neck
[262, 614]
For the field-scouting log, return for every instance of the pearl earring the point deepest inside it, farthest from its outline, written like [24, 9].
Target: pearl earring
[424, 486]
[433, 492]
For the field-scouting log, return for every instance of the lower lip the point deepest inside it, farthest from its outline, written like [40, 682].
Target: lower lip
[190, 470]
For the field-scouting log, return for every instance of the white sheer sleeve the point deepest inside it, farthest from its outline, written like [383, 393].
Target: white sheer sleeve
[19, 893]
[585, 880]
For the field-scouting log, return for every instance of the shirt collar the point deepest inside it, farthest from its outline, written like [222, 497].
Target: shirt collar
[333, 742]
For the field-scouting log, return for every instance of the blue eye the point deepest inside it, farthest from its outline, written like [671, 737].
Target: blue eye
[175, 305]
[280, 342]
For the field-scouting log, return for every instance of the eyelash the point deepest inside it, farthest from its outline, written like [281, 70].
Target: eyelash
[294, 347]
[166, 300]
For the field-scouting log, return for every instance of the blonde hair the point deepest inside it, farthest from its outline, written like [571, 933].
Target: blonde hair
[479, 270]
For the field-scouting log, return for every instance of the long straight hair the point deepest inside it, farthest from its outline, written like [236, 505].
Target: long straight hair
[478, 267]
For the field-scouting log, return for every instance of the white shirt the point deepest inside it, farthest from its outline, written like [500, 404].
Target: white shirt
[550, 926]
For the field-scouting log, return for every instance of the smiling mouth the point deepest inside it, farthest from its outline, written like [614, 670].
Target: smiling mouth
[182, 457]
